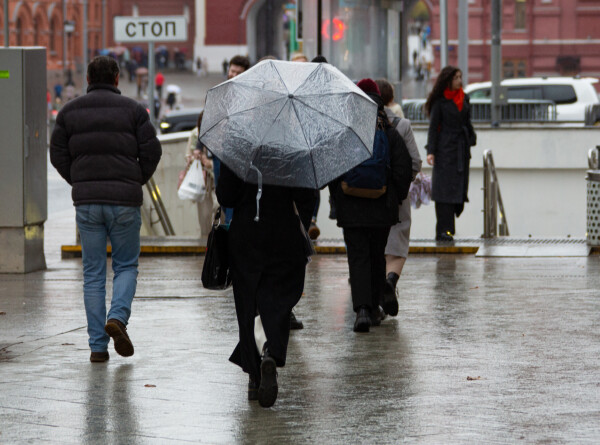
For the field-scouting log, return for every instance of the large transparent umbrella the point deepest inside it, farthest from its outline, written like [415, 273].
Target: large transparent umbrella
[298, 124]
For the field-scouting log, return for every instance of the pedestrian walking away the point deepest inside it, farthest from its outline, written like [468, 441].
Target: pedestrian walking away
[106, 157]
[396, 249]
[449, 141]
[367, 200]
[270, 176]
[268, 262]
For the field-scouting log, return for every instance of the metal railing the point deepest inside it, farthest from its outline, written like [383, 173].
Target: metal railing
[592, 115]
[515, 110]
[494, 217]
[159, 206]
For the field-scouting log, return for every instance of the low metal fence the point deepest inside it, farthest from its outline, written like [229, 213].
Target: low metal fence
[592, 115]
[516, 110]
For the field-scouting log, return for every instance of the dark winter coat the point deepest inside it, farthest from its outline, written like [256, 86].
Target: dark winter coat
[267, 261]
[104, 145]
[381, 212]
[450, 138]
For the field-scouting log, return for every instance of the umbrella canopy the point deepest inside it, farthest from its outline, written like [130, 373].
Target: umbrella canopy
[299, 124]
[171, 88]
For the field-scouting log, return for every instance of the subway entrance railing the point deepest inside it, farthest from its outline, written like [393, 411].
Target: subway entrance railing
[494, 216]
[515, 110]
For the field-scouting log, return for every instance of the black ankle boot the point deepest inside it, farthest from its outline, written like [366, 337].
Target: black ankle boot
[268, 388]
[363, 319]
[253, 384]
[393, 278]
[390, 300]
[294, 322]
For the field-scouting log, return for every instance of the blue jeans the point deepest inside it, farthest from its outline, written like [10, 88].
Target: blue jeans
[122, 225]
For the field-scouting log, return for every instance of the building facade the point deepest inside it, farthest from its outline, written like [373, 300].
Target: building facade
[42, 23]
[361, 37]
[58, 25]
[539, 37]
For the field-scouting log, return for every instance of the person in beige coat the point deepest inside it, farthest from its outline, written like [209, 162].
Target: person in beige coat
[208, 206]
[396, 250]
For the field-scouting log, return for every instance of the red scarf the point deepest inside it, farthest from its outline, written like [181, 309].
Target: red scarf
[458, 96]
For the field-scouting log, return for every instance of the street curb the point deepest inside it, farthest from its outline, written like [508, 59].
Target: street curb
[74, 250]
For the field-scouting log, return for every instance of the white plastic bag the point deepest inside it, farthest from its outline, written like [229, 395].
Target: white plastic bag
[193, 186]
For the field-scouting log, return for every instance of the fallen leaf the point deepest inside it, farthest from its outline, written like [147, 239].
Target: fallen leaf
[149, 386]
[476, 287]
[474, 378]
[2, 313]
[68, 344]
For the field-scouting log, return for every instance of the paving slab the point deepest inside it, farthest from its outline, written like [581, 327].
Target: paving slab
[483, 350]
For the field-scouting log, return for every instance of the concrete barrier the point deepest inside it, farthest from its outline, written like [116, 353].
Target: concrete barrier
[541, 171]
[183, 214]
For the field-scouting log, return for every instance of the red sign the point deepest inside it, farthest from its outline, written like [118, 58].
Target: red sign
[333, 29]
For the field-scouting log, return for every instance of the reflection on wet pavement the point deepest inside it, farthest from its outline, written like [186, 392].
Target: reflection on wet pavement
[524, 330]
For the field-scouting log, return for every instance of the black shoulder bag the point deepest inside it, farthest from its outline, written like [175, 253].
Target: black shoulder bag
[215, 272]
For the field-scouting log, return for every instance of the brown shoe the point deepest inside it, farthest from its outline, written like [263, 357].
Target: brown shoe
[118, 332]
[99, 357]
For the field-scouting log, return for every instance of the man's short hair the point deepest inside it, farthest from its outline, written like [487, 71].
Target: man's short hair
[242, 61]
[103, 69]
[386, 89]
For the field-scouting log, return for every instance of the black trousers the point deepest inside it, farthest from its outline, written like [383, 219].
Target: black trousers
[444, 213]
[273, 293]
[366, 261]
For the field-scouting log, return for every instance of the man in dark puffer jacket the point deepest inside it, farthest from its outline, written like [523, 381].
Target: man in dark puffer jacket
[104, 145]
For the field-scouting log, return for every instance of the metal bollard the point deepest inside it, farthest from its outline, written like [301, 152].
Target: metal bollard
[593, 197]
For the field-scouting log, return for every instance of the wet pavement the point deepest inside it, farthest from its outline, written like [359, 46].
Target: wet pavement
[484, 350]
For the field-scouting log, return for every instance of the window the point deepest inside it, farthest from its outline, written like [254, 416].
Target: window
[520, 14]
[52, 36]
[36, 32]
[512, 68]
[19, 32]
[532, 92]
[484, 93]
[560, 94]
[508, 69]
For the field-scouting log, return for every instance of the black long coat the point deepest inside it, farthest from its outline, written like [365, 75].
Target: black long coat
[267, 261]
[450, 138]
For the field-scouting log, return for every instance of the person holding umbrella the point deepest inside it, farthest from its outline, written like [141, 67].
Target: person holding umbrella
[367, 200]
[280, 142]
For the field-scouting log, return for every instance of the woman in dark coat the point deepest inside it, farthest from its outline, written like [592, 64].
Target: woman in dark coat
[367, 221]
[449, 142]
[267, 263]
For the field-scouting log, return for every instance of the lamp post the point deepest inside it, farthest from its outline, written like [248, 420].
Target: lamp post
[85, 44]
[64, 39]
[463, 39]
[103, 24]
[6, 31]
[443, 33]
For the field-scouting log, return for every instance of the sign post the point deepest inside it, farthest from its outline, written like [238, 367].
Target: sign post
[150, 29]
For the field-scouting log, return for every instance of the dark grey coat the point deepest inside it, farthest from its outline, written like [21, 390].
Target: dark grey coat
[450, 138]
[104, 145]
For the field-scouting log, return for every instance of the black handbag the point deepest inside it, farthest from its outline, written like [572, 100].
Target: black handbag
[215, 271]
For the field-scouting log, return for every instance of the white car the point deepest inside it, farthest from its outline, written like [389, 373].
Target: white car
[571, 94]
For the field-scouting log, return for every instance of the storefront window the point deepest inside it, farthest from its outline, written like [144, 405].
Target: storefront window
[357, 38]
